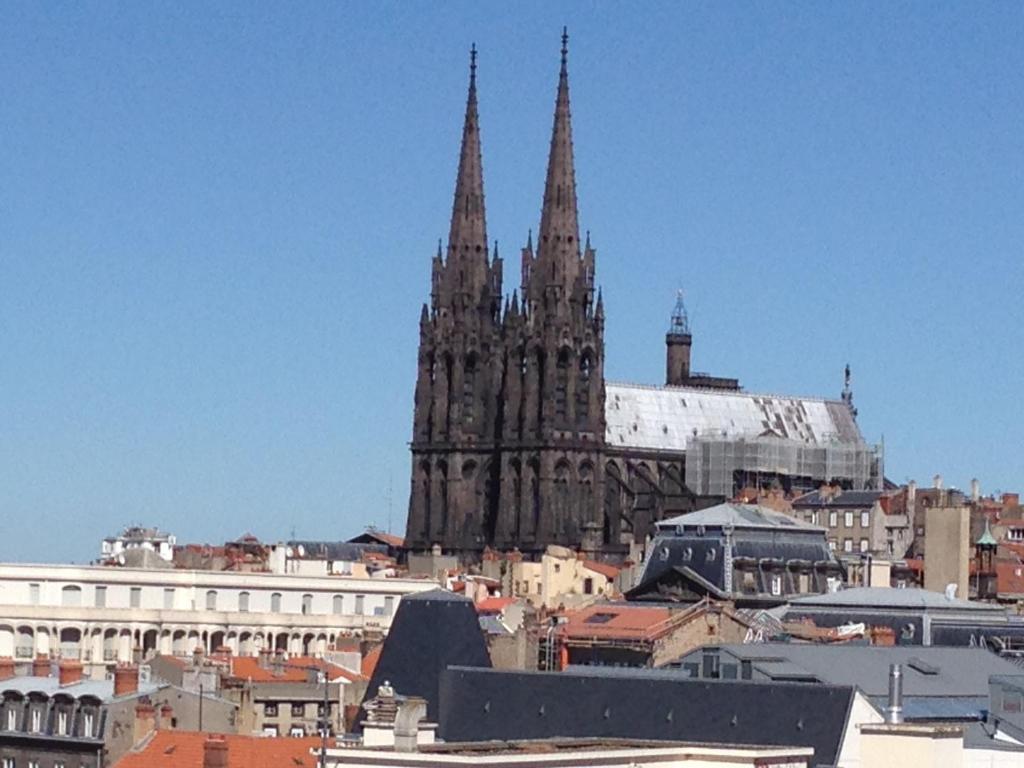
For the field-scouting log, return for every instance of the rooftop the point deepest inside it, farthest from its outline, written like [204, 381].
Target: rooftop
[748, 516]
[50, 686]
[669, 418]
[884, 597]
[184, 749]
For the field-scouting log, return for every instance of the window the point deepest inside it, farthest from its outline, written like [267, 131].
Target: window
[168, 599]
[360, 600]
[832, 519]
[847, 545]
[37, 719]
[865, 519]
[87, 724]
[776, 585]
[389, 605]
[814, 518]
[338, 605]
[307, 605]
[33, 594]
[832, 545]
[62, 723]
[275, 602]
[71, 596]
[8, 762]
[243, 602]
[588, 586]
[270, 709]
[599, 618]
[136, 597]
[101, 597]
[1015, 534]
[297, 732]
[270, 730]
[863, 545]
[211, 600]
[12, 719]
[298, 709]
[848, 519]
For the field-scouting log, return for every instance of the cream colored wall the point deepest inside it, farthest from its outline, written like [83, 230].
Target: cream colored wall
[947, 537]
[861, 713]
[913, 747]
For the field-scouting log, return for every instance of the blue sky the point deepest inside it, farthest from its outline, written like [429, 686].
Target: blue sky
[216, 225]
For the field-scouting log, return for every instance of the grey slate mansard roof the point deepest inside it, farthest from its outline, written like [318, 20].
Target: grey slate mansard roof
[50, 686]
[487, 705]
[814, 499]
[884, 597]
[739, 516]
[927, 671]
[430, 631]
[668, 418]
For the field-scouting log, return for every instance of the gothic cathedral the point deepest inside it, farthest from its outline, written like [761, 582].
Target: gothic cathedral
[509, 427]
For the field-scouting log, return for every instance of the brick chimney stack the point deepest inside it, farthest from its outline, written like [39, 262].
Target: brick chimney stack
[70, 672]
[215, 752]
[145, 720]
[166, 716]
[6, 668]
[126, 679]
[41, 666]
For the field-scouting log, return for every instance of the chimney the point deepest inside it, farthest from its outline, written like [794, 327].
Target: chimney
[145, 720]
[215, 752]
[166, 716]
[407, 723]
[70, 672]
[894, 712]
[937, 482]
[126, 679]
[264, 658]
[911, 496]
[975, 490]
[6, 668]
[41, 666]
[197, 656]
[279, 664]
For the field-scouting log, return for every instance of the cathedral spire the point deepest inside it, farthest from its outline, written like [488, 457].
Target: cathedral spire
[559, 228]
[468, 232]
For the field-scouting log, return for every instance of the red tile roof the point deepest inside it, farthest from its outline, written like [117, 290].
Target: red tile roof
[184, 749]
[608, 620]
[248, 668]
[610, 572]
[370, 661]
[494, 604]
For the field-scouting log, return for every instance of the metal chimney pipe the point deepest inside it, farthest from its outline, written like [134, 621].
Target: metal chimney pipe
[894, 712]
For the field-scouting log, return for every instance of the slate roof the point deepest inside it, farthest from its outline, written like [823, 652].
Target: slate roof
[884, 597]
[815, 499]
[668, 418]
[485, 705]
[50, 686]
[430, 631]
[746, 516]
[927, 670]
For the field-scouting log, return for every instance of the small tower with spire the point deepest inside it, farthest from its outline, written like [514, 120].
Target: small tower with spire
[678, 342]
[847, 395]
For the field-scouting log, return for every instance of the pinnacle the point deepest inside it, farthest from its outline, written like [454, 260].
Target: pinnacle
[468, 231]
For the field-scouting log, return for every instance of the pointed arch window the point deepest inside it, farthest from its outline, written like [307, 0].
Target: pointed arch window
[583, 389]
[562, 385]
[469, 389]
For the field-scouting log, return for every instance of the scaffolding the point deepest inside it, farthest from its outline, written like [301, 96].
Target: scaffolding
[718, 466]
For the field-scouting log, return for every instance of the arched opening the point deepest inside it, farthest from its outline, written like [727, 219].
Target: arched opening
[612, 505]
[243, 602]
[540, 387]
[517, 496]
[110, 645]
[469, 390]
[563, 473]
[562, 386]
[217, 640]
[534, 472]
[307, 604]
[71, 596]
[442, 468]
[586, 491]
[425, 494]
[211, 600]
[583, 389]
[25, 643]
[70, 643]
[338, 605]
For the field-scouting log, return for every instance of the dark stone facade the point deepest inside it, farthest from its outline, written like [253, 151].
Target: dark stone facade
[509, 447]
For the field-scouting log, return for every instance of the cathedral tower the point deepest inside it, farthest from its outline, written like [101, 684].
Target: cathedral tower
[509, 409]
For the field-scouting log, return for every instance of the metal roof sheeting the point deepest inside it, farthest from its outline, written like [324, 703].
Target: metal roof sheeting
[667, 418]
